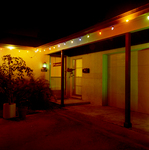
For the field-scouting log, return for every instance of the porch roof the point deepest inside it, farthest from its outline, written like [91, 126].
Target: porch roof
[132, 21]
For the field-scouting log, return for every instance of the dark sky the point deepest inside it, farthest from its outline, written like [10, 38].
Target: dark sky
[52, 20]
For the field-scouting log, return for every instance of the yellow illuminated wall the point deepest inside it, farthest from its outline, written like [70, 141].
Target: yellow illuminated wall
[33, 60]
[55, 78]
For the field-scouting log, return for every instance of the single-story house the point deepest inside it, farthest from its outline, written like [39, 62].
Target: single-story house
[106, 64]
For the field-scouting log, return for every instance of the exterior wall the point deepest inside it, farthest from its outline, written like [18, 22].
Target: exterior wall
[55, 77]
[92, 82]
[33, 60]
[143, 81]
[116, 80]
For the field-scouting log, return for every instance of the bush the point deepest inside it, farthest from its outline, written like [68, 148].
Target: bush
[40, 93]
[35, 93]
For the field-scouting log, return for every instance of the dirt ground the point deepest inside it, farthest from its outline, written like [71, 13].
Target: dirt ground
[58, 130]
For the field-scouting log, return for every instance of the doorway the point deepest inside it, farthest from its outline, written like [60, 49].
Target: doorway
[77, 78]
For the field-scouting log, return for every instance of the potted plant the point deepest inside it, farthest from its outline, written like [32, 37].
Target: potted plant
[21, 94]
[13, 70]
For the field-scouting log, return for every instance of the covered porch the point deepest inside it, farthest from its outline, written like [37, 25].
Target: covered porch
[123, 25]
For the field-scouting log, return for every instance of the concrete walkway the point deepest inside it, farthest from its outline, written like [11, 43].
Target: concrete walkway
[67, 129]
[140, 121]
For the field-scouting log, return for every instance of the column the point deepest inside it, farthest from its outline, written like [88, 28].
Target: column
[127, 122]
[104, 80]
[62, 78]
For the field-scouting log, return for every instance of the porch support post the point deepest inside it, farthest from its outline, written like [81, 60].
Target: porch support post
[62, 78]
[127, 122]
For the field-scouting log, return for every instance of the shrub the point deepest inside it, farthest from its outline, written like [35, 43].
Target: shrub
[40, 93]
[35, 93]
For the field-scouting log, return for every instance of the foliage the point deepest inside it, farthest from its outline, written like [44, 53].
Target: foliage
[14, 87]
[15, 67]
[12, 69]
[40, 93]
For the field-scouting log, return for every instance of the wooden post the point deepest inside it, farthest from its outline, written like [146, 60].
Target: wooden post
[127, 122]
[62, 78]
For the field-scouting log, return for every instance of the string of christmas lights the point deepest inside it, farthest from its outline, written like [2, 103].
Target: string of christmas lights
[80, 39]
[88, 35]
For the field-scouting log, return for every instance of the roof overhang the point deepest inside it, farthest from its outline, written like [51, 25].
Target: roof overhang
[131, 21]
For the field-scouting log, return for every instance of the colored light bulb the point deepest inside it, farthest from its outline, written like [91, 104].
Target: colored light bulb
[112, 28]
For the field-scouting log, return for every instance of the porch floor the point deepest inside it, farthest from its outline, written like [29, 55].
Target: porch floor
[71, 102]
[140, 121]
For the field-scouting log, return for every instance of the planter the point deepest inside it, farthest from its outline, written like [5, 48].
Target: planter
[22, 112]
[9, 110]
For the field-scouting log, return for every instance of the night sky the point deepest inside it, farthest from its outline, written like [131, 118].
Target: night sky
[45, 22]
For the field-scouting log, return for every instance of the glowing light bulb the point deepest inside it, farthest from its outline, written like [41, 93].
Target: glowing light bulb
[80, 39]
[148, 17]
[36, 51]
[44, 50]
[71, 41]
[54, 47]
[99, 32]
[64, 43]
[88, 36]
[50, 48]
[10, 47]
[58, 45]
[112, 28]
[127, 20]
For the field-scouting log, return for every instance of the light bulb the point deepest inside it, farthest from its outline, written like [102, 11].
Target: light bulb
[148, 17]
[127, 20]
[88, 36]
[99, 32]
[71, 41]
[80, 39]
[112, 28]
[50, 48]
[10, 47]
[64, 43]
[58, 45]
